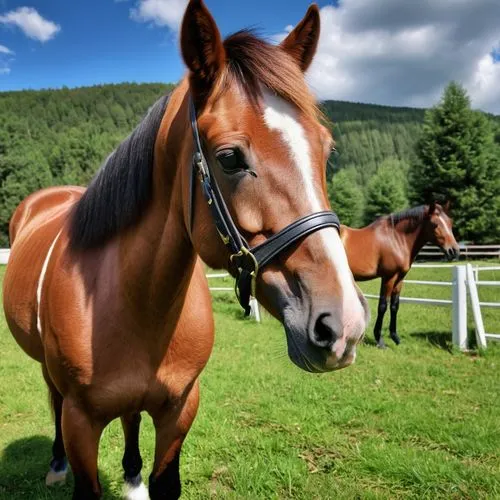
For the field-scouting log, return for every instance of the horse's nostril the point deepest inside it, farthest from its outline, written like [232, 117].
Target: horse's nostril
[323, 334]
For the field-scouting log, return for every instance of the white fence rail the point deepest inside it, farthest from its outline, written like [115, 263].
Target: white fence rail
[4, 255]
[481, 335]
[465, 278]
[430, 252]
[254, 305]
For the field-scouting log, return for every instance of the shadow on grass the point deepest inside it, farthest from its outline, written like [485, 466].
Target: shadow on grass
[441, 340]
[24, 464]
[368, 339]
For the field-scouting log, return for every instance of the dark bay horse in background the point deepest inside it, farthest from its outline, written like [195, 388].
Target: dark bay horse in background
[105, 286]
[387, 248]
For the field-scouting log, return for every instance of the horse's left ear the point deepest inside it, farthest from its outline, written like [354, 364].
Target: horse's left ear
[202, 47]
[446, 207]
[432, 208]
[302, 41]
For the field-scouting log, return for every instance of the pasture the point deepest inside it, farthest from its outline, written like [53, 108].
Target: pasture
[416, 421]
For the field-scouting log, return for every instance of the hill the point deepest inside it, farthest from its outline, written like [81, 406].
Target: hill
[61, 136]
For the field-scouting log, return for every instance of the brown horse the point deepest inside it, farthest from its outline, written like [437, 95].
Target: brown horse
[387, 248]
[105, 287]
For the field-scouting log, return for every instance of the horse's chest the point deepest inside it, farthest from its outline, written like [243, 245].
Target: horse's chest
[134, 384]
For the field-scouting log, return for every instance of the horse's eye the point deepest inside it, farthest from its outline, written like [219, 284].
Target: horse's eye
[231, 160]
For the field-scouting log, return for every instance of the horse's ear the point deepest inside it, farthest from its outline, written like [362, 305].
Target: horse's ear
[446, 207]
[201, 46]
[302, 41]
[432, 208]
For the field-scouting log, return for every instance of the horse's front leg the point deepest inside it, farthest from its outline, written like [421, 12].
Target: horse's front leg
[81, 435]
[171, 429]
[58, 465]
[132, 462]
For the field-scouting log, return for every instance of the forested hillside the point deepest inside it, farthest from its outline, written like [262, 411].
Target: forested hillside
[62, 136]
[368, 134]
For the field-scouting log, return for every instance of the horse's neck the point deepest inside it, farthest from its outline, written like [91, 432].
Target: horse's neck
[413, 239]
[157, 255]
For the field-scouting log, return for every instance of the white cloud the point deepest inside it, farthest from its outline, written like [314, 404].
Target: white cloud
[404, 53]
[31, 23]
[160, 12]
[6, 57]
[5, 50]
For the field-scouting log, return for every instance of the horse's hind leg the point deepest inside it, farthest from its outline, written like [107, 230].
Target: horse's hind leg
[394, 312]
[58, 465]
[382, 307]
[386, 288]
[81, 436]
[132, 461]
[171, 429]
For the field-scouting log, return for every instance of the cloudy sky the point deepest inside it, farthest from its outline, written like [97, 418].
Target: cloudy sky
[393, 52]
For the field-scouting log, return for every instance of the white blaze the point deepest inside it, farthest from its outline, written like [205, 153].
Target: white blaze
[281, 116]
[445, 226]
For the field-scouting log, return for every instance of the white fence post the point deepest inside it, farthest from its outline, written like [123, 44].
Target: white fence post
[4, 255]
[459, 328]
[476, 308]
[254, 309]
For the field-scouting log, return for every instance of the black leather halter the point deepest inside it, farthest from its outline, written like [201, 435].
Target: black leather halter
[246, 261]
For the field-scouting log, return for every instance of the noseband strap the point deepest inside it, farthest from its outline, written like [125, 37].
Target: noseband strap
[245, 261]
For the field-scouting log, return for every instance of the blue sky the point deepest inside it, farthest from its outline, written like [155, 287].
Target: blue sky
[98, 42]
[394, 52]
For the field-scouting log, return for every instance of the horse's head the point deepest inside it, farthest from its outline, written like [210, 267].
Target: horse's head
[267, 150]
[440, 230]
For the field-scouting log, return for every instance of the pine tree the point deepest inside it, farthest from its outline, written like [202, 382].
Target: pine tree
[459, 161]
[386, 190]
[346, 197]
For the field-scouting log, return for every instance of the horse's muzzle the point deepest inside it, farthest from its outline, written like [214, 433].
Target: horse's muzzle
[452, 253]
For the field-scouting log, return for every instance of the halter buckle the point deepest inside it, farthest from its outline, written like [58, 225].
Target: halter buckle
[198, 161]
[245, 260]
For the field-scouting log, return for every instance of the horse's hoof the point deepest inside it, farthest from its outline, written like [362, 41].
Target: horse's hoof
[395, 338]
[381, 345]
[56, 477]
[134, 489]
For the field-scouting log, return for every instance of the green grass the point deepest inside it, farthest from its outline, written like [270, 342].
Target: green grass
[417, 421]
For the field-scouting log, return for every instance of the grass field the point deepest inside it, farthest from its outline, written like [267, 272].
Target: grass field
[416, 421]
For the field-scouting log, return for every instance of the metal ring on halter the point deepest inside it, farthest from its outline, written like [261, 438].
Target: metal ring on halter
[245, 252]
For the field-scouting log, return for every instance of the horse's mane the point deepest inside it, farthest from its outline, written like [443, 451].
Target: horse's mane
[414, 216]
[121, 190]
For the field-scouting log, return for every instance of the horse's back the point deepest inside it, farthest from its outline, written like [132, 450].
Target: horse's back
[32, 229]
[363, 252]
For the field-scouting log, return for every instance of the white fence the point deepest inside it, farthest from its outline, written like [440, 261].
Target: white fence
[473, 278]
[254, 305]
[465, 279]
[4, 255]
[428, 252]
[467, 252]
